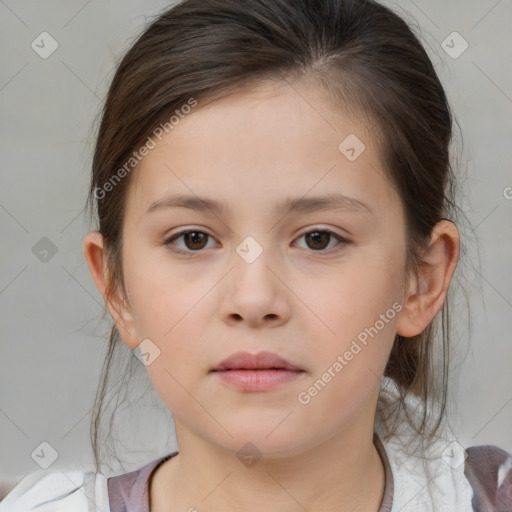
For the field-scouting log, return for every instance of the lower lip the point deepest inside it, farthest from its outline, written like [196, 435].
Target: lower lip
[257, 380]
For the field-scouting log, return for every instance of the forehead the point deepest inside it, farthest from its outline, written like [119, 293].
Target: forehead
[273, 140]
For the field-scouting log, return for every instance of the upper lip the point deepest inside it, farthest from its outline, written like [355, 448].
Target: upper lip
[259, 361]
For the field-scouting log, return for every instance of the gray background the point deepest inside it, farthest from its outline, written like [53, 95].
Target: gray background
[52, 342]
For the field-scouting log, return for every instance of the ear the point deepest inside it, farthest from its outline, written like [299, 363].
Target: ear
[118, 306]
[427, 290]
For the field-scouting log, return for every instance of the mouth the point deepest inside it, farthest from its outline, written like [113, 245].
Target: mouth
[256, 372]
[255, 362]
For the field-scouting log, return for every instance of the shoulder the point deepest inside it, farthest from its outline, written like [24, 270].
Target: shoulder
[448, 476]
[451, 477]
[488, 469]
[54, 491]
[442, 474]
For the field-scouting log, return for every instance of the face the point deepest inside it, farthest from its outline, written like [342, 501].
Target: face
[320, 285]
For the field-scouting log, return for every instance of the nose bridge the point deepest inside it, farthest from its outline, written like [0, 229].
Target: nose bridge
[254, 293]
[253, 259]
[250, 250]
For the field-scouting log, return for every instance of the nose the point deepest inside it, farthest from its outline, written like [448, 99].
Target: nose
[254, 293]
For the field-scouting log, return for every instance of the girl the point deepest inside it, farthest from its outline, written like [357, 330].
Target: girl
[276, 242]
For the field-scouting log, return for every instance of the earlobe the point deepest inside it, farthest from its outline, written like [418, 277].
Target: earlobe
[95, 256]
[428, 289]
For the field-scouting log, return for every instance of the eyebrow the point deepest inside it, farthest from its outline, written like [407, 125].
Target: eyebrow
[301, 204]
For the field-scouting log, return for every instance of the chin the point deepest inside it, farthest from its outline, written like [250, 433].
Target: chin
[262, 439]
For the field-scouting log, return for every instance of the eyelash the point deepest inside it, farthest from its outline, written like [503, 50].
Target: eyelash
[168, 241]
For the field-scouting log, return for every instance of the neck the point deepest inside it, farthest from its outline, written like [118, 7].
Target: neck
[344, 473]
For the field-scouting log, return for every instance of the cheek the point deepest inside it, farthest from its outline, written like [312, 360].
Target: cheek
[354, 295]
[164, 295]
[169, 307]
[357, 310]
[174, 323]
[348, 364]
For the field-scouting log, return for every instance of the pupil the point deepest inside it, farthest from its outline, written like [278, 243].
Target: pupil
[196, 238]
[319, 237]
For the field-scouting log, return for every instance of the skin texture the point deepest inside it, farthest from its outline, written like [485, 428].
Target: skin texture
[303, 300]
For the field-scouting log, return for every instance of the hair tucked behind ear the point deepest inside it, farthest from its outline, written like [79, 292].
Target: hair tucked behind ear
[368, 60]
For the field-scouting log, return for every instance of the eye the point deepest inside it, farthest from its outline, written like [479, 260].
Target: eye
[319, 239]
[194, 241]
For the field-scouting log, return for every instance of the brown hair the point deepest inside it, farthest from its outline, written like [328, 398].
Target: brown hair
[363, 54]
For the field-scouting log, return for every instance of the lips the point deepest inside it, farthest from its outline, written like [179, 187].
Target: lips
[259, 361]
